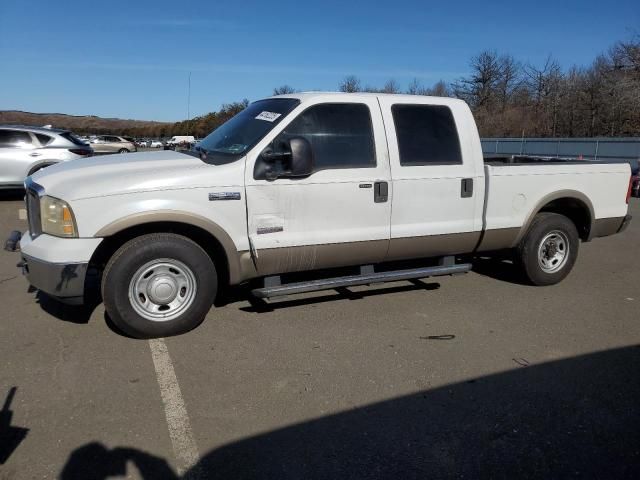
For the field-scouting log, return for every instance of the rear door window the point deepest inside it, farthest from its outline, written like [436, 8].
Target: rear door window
[43, 139]
[14, 138]
[426, 134]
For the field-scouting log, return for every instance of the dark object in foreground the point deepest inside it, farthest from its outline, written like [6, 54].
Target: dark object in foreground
[13, 242]
[10, 437]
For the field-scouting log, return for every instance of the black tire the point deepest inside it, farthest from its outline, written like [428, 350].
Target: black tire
[135, 255]
[123, 150]
[527, 253]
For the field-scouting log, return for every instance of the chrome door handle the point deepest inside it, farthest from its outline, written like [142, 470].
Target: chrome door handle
[35, 154]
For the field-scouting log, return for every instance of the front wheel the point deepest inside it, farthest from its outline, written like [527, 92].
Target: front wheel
[158, 285]
[123, 150]
[549, 250]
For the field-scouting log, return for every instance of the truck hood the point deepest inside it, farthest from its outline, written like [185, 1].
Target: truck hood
[131, 172]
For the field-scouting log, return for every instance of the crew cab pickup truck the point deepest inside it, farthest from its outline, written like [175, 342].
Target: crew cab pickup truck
[339, 185]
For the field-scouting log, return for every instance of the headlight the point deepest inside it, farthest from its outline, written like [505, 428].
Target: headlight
[57, 217]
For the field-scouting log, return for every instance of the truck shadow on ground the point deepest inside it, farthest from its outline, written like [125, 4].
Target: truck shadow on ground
[499, 266]
[576, 417]
[79, 314]
[258, 305]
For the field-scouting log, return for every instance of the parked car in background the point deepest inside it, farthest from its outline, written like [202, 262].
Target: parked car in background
[156, 144]
[142, 143]
[181, 140]
[112, 144]
[635, 184]
[25, 150]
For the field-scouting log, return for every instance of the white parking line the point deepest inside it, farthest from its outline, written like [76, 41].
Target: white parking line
[184, 444]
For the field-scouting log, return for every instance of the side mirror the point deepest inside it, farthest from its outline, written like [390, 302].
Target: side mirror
[301, 157]
[294, 160]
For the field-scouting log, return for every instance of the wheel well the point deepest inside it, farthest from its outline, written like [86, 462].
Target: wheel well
[39, 166]
[575, 210]
[206, 240]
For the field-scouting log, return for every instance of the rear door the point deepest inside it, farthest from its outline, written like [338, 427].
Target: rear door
[113, 143]
[336, 216]
[16, 155]
[438, 184]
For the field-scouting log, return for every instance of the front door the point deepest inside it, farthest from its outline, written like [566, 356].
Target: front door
[340, 214]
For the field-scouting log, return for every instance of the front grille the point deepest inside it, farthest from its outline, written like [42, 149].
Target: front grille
[33, 212]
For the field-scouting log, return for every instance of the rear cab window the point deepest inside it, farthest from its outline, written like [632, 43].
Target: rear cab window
[426, 134]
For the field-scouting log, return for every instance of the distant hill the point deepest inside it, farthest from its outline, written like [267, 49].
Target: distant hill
[86, 124]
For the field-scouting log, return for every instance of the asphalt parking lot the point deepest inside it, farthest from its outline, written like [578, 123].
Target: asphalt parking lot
[475, 376]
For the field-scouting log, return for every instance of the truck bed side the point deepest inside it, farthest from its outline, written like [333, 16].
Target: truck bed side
[593, 193]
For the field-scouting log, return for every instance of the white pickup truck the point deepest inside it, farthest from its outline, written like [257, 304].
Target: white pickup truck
[340, 186]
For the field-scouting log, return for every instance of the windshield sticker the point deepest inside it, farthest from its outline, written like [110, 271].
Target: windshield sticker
[268, 116]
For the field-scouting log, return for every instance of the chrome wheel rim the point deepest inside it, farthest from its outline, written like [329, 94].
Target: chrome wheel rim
[553, 251]
[162, 290]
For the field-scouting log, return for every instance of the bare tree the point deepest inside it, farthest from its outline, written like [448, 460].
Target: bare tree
[509, 79]
[415, 88]
[544, 87]
[391, 87]
[439, 89]
[479, 89]
[283, 90]
[350, 84]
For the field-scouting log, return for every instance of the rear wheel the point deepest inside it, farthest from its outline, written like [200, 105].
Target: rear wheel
[158, 285]
[123, 150]
[549, 250]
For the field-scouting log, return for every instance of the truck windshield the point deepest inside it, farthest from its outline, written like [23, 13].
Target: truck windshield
[232, 139]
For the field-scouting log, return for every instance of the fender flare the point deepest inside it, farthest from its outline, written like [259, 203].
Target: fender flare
[240, 265]
[569, 194]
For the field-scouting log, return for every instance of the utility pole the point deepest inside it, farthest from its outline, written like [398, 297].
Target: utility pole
[189, 105]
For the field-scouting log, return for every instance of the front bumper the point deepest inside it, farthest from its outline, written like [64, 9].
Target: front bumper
[57, 266]
[62, 280]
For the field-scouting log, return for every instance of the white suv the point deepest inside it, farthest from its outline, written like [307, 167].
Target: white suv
[25, 150]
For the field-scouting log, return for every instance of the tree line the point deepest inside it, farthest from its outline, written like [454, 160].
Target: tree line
[508, 97]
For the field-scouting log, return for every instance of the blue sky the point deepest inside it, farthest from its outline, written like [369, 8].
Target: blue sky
[132, 59]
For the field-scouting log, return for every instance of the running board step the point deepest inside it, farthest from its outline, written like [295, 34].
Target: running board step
[363, 279]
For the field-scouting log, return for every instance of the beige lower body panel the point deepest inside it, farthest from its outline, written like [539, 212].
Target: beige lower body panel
[432, 245]
[315, 257]
[603, 227]
[498, 239]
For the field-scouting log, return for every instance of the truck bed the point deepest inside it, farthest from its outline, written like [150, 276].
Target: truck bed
[499, 159]
[517, 186]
